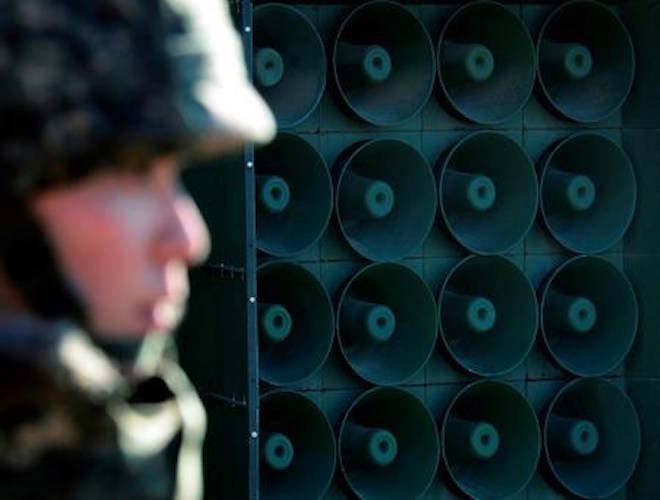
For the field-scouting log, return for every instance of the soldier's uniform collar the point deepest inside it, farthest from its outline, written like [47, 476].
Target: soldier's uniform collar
[143, 408]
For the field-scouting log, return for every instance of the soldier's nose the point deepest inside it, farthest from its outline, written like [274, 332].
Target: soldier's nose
[186, 236]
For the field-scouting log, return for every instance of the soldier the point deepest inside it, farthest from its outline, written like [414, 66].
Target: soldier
[100, 100]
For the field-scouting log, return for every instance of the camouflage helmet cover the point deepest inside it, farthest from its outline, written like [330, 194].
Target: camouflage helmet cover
[85, 83]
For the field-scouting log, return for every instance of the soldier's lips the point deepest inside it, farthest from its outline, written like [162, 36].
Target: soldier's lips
[161, 316]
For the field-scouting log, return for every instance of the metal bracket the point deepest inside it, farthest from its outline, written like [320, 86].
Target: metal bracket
[225, 271]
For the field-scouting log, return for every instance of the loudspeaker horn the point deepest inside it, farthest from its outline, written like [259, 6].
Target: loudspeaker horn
[588, 193]
[488, 192]
[486, 62]
[387, 323]
[388, 445]
[297, 444]
[384, 70]
[386, 199]
[589, 316]
[586, 61]
[488, 315]
[296, 323]
[491, 440]
[289, 60]
[592, 438]
[293, 194]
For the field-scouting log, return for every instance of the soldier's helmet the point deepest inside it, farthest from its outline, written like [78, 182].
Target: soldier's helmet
[95, 84]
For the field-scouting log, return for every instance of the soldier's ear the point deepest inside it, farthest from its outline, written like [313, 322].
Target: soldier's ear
[32, 270]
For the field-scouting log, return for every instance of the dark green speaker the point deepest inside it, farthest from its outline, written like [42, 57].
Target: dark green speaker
[387, 323]
[488, 192]
[388, 445]
[588, 193]
[589, 316]
[488, 315]
[384, 69]
[592, 438]
[486, 62]
[491, 440]
[293, 196]
[296, 323]
[586, 61]
[289, 60]
[297, 447]
[386, 199]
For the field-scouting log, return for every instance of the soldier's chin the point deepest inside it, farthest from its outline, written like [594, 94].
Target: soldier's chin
[162, 318]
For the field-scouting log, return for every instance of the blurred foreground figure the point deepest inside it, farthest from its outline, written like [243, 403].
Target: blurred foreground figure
[99, 101]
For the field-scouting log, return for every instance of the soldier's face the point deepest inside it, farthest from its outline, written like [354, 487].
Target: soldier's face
[124, 241]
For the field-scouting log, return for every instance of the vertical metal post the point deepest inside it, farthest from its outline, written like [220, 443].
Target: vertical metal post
[251, 279]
